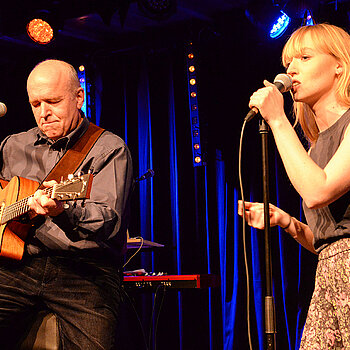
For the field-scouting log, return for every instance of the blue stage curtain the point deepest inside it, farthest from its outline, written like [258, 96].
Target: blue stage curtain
[174, 190]
[145, 159]
[193, 212]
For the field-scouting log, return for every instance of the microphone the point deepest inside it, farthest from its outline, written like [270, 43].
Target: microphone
[3, 109]
[283, 82]
[149, 173]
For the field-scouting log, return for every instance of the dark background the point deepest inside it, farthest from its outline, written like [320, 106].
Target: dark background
[117, 42]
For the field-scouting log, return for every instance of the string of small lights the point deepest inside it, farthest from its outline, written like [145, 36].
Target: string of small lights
[193, 105]
[88, 104]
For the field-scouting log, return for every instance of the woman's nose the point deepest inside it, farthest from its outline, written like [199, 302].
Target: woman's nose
[291, 68]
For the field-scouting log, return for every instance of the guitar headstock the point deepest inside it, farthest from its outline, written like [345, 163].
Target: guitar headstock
[76, 187]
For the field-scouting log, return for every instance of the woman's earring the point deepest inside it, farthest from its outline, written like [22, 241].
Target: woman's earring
[339, 71]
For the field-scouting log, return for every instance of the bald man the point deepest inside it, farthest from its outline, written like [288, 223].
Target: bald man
[73, 257]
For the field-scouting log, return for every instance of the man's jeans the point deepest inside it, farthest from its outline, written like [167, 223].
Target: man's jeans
[83, 294]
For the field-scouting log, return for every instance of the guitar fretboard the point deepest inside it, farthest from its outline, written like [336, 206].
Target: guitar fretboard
[72, 189]
[19, 208]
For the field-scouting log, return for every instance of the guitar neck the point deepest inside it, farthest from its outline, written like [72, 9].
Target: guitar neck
[76, 187]
[18, 209]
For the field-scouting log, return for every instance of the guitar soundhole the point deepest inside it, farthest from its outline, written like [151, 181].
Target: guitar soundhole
[24, 219]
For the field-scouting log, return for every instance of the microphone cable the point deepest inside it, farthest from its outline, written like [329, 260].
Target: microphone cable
[244, 234]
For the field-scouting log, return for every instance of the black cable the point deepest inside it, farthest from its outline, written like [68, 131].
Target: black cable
[151, 319]
[156, 325]
[138, 318]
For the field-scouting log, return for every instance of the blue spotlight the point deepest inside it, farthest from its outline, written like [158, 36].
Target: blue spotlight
[280, 26]
[308, 20]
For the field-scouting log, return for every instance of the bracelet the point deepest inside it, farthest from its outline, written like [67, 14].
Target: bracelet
[290, 221]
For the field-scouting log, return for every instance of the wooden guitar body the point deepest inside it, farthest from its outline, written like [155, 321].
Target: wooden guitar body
[14, 195]
[13, 233]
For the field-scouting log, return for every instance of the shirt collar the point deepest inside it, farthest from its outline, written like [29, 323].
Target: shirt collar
[66, 141]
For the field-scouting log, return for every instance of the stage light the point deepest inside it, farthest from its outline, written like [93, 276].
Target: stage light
[88, 106]
[42, 26]
[270, 18]
[308, 20]
[194, 108]
[157, 9]
[40, 31]
[280, 25]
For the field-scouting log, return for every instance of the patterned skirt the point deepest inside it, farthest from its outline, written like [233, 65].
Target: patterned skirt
[328, 321]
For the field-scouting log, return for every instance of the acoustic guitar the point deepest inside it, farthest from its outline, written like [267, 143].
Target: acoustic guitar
[16, 217]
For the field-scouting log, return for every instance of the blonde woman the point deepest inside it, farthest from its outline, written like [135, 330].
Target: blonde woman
[317, 58]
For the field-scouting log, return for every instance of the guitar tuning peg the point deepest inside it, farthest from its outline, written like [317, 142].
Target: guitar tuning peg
[70, 177]
[80, 173]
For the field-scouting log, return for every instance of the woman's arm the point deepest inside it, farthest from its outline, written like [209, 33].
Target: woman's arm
[318, 187]
[254, 214]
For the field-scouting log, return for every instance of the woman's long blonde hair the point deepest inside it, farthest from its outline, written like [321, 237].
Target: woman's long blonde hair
[328, 39]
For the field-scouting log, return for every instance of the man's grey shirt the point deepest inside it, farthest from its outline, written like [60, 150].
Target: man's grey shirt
[97, 223]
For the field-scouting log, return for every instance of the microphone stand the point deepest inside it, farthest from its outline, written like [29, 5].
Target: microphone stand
[270, 317]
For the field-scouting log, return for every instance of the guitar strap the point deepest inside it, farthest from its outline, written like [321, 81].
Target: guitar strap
[73, 158]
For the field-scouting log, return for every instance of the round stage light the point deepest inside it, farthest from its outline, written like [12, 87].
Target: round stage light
[40, 31]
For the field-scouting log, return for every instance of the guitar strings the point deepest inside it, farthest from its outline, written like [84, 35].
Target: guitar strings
[16, 209]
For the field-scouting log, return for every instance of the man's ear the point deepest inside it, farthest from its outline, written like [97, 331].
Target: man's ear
[80, 97]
